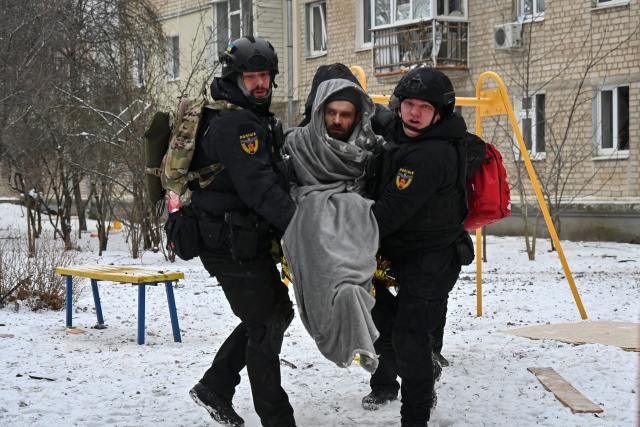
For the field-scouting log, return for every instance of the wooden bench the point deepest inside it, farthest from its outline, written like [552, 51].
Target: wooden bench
[140, 277]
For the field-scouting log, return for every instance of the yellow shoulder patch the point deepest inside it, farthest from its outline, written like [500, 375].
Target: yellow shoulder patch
[404, 178]
[249, 143]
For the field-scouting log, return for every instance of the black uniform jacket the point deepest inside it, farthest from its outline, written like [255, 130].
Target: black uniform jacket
[240, 139]
[420, 203]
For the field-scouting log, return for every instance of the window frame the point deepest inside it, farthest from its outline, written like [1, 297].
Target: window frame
[521, 114]
[433, 14]
[236, 12]
[173, 58]
[449, 17]
[535, 15]
[309, 7]
[603, 4]
[615, 142]
[360, 29]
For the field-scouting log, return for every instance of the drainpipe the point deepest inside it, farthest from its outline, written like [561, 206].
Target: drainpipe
[289, 64]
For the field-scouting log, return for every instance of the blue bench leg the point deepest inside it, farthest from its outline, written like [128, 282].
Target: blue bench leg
[69, 301]
[141, 295]
[96, 301]
[172, 311]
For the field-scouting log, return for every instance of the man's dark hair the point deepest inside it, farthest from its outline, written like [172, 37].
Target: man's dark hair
[346, 94]
[323, 73]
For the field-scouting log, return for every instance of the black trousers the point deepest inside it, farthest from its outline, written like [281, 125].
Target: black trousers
[259, 298]
[407, 323]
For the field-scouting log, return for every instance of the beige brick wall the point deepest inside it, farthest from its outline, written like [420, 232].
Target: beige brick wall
[561, 48]
[171, 7]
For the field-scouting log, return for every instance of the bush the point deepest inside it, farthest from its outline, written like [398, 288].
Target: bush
[33, 281]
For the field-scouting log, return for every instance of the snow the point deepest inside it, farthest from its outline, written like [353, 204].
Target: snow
[103, 378]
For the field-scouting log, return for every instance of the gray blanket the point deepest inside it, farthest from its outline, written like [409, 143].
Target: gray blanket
[332, 240]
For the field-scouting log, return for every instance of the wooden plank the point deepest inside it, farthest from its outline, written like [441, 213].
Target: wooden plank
[564, 391]
[75, 331]
[7, 336]
[117, 273]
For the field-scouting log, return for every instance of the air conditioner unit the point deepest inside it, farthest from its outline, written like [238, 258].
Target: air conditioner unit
[507, 36]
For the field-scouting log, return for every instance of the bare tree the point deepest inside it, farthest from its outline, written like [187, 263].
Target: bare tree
[564, 155]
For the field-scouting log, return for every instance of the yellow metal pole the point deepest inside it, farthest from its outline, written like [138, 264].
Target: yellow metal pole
[504, 99]
[479, 230]
[479, 272]
[361, 76]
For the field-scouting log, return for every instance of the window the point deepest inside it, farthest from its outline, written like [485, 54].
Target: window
[234, 19]
[452, 8]
[173, 57]
[532, 118]
[530, 9]
[388, 12]
[612, 120]
[364, 38]
[317, 28]
[604, 3]
[398, 11]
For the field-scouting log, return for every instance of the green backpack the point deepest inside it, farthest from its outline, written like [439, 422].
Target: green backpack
[169, 147]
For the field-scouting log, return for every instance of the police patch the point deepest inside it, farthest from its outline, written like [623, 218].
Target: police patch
[249, 143]
[404, 178]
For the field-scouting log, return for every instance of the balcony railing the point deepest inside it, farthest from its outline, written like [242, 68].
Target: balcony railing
[435, 43]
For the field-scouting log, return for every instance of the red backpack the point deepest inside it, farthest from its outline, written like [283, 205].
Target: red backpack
[488, 191]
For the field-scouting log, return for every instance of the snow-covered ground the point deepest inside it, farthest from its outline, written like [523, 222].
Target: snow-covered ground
[103, 378]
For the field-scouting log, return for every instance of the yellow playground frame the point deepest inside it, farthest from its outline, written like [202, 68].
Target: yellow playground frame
[495, 102]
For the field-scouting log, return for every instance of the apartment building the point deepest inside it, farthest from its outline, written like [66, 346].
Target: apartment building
[572, 69]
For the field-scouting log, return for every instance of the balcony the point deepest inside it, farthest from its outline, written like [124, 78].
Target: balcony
[434, 43]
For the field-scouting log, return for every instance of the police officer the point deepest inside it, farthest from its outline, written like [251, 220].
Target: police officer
[420, 210]
[241, 212]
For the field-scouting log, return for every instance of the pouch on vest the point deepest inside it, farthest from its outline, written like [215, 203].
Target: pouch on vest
[183, 234]
[464, 248]
[211, 233]
[244, 235]
[156, 143]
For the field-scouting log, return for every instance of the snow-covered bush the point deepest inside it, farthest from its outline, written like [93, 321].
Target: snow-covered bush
[32, 281]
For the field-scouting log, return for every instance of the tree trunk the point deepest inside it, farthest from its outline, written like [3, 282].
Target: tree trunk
[80, 206]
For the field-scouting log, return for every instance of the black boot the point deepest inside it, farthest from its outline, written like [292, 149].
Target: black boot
[437, 370]
[220, 409]
[440, 358]
[377, 398]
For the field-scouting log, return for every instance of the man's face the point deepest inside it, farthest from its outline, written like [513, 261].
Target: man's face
[339, 118]
[418, 114]
[257, 83]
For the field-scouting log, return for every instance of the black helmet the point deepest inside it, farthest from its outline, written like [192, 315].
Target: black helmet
[248, 54]
[428, 85]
